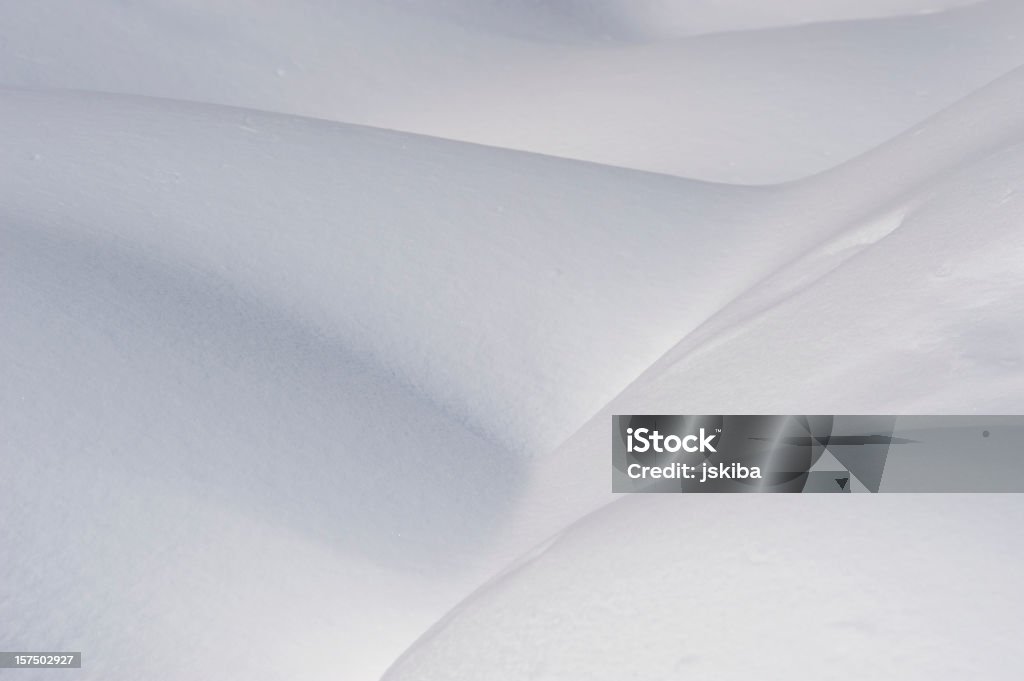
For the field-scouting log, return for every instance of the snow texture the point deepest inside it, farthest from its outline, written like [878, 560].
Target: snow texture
[313, 316]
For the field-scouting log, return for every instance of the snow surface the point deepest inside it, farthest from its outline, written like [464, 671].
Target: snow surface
[281, 389]
[740, 106]
[661, 588]
[733, 588]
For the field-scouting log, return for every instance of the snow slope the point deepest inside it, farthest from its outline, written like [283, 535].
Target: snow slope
[637, 20]
[751, 106]
[207, 317]
[742, 107]
[664, 587]
[936, 331]
[898, 310]
[512, 255]
[281, 392]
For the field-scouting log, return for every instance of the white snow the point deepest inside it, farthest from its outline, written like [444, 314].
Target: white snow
[733, 587]
[895, 309]
[742, 106]
[512, 256]
[285, 376]
[635, 20]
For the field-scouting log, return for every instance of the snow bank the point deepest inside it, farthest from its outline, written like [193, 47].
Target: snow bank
[280, 392]
[512, 257]
[898, 310]
[198, 483]
[281, 376]
[667, 587]
[742, 107]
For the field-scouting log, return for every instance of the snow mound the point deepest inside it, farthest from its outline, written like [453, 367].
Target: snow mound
[715, 586]
[931, 320]
[757, 106]
[299, 386]
[909, 335]
[252, 357]
[191, 466]
[513, 257]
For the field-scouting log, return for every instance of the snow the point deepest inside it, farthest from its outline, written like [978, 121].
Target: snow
[739, 106]
[293, 363]
[487, 239]
[635, 20]
[894, 309]
[662, 587]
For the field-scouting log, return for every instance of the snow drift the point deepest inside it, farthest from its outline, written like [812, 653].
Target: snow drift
[751, 106]
[282, 391]
[658, 587]
[932, 321]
